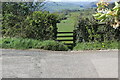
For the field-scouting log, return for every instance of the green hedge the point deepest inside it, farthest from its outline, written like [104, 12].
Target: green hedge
[52, 45]
[41, 25]
[97, 45]
[26, 20]
[20, 43]
[89, 29]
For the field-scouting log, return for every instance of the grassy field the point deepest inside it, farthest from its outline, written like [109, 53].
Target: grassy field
[68, 25]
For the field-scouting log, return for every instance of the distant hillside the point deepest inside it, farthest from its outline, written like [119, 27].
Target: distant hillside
[59, 6]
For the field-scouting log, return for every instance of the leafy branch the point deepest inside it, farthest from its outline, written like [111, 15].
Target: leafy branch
[105, 14]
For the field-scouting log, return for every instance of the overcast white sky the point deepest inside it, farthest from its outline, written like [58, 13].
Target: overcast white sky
[76, 0]
[70, 0]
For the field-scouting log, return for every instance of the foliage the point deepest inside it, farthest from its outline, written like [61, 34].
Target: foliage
[106, 14]
[19, 43]
[21, 8]
[23, 20]
[14, 14]
[97, 45]
[24, 43]
[52, 45]
[41, 25]
[89, 29]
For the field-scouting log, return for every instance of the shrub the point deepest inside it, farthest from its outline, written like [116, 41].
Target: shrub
[14, 15]
[20, 43]
[41, 25]
[28, 21]
[88, 29]
[115, 45]
[53, 45]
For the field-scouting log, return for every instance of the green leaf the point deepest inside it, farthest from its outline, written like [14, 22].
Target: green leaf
[103, 16]
[97, 15]
[102, 20]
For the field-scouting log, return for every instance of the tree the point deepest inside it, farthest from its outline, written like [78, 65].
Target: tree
[14, 14]
[106, 14]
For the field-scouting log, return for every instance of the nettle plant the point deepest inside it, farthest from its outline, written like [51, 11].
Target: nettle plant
[105, 14]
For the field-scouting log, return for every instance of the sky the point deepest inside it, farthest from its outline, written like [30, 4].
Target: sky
[76, 0]
[71, 0]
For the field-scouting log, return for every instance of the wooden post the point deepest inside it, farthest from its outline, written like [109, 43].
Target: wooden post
[74, 37]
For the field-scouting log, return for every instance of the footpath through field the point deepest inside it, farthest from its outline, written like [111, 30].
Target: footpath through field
[67, 26]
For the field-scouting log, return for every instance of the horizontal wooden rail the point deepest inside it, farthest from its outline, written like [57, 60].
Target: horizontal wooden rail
[63, 32]
[66, 36]
[65, 40]
[69, 43]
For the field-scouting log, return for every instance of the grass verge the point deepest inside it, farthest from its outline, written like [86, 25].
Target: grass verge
[97, 45]
[20, 43]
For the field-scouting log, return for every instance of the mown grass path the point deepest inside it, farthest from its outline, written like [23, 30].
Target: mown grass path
[68, 25]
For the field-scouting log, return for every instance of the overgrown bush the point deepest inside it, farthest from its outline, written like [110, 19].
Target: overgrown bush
[22, 20]
[89, 30]
[91, 34]
[20, 43]
[53, 45]
[14, 14]
[41, 25]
